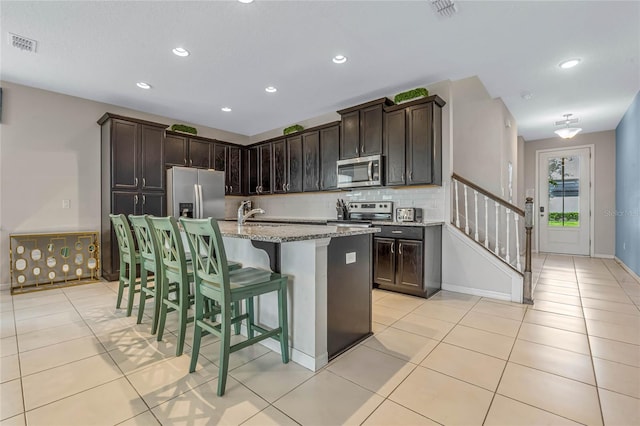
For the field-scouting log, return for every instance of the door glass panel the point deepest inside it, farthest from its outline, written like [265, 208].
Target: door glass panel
[564, 191]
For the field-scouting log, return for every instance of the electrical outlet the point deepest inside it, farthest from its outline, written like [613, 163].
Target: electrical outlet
[350, 257]
[66, 204]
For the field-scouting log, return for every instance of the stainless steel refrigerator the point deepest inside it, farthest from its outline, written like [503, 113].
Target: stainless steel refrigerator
[195, 193]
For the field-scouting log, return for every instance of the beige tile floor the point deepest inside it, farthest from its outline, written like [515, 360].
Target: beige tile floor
[68, 357]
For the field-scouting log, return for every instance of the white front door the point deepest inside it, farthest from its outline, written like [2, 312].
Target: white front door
[563, 201]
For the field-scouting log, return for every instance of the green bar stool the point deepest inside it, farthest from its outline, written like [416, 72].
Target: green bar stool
[150, 265]
[129, 259]
[216, 282]
[176, 276]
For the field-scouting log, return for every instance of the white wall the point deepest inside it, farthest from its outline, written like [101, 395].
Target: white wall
[50, 151]
[604, 181]
[484, 137]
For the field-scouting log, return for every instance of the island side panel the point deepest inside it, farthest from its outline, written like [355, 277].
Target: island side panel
[305, 263]
[349, 284]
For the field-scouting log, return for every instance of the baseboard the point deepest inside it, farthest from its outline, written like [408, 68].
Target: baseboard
[626, 268]
[476, 292]
[604, 256]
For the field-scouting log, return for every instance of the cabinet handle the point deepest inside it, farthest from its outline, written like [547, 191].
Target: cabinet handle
[135, 198]
[399, 248]
[184, 161]
[356, 152]
[288, 186]
[135, 181]
[317, 184]
[191, 162]
[392, 249]
[411, 175]
[144, 182]
[362, 149]
[230, 188]
[144, 200]
[284, 187]
[396, 232]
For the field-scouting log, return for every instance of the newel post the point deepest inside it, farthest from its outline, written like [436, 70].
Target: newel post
[528, 225]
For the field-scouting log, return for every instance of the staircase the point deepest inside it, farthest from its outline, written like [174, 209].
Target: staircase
[495, 229]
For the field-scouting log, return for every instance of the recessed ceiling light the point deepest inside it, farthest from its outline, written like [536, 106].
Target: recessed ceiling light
[569, 63]
[143, 85]
[246, 1]
[226, 109]
[180, 51]
[270, 89]
[339, 59]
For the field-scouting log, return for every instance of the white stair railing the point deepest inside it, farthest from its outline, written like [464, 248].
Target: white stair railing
[501, 236]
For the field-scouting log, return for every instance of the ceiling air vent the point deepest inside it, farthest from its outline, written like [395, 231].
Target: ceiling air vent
[22, 43]
[444, 7]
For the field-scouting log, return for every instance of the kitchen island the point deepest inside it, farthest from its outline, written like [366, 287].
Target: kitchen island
[329, 270]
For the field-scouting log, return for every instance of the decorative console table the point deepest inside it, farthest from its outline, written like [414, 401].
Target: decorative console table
[51, 260]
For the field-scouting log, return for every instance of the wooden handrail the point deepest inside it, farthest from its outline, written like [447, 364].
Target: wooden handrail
[494, 197]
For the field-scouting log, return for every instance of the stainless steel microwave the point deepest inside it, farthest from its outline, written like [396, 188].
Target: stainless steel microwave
[361, 171]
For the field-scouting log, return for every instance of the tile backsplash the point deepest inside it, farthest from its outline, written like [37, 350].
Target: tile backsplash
[322, 205]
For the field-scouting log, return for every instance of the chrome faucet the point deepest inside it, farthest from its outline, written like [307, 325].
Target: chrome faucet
[243, 215]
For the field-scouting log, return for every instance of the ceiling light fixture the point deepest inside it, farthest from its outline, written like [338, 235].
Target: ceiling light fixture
[570, 63]
[226, 109]
[270, 89]
[180, 51]
[143, 85]
[567, 132]
[339, 59]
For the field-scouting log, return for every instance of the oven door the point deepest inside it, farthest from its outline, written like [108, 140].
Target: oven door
[362, 171]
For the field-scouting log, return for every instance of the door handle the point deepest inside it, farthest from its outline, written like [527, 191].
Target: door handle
[197, 198]
[399, 248]
[392, 249]
[201, 202]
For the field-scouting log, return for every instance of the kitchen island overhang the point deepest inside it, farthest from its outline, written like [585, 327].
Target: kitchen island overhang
[325, 266]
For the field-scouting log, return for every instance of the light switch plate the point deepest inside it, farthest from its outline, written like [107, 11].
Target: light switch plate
[350, 257]
[66, 204]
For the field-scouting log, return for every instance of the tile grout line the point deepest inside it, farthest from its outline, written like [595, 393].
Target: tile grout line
[593, 368]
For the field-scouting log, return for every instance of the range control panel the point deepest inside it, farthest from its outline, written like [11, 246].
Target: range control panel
[375, 207]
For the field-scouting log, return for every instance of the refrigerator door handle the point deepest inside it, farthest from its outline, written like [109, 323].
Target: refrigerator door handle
[196, 210]
[201, 203]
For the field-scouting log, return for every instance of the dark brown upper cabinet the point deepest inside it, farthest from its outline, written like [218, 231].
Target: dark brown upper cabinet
[135, 153]
[185, 151]
[259, 169]
[295, 164]
[280, 167]
[329, 154]
[228, 158]
[362, 129]
[394, 147]
[311, 157]
[414, 128]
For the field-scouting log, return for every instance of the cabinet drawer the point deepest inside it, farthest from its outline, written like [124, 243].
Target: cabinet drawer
[404, 232]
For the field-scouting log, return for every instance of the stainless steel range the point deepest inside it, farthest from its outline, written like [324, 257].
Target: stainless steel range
[362, 213]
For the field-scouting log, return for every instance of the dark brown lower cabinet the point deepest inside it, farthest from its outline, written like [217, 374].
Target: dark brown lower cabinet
[408, 259]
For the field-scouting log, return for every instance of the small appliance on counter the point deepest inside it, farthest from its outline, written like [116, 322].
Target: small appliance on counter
[408, 214]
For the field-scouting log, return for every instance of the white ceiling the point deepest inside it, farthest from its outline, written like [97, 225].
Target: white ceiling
[99, 50]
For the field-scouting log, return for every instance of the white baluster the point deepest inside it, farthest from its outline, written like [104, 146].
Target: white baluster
[466, 211]
[475, 200]
[457, 208]
[508, 241]
[497, 248]
[486, 221]
[516, 217]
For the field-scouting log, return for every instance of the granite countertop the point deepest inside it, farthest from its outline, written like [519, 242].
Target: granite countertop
[287, 233]
[424, 224]
[322, 221]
